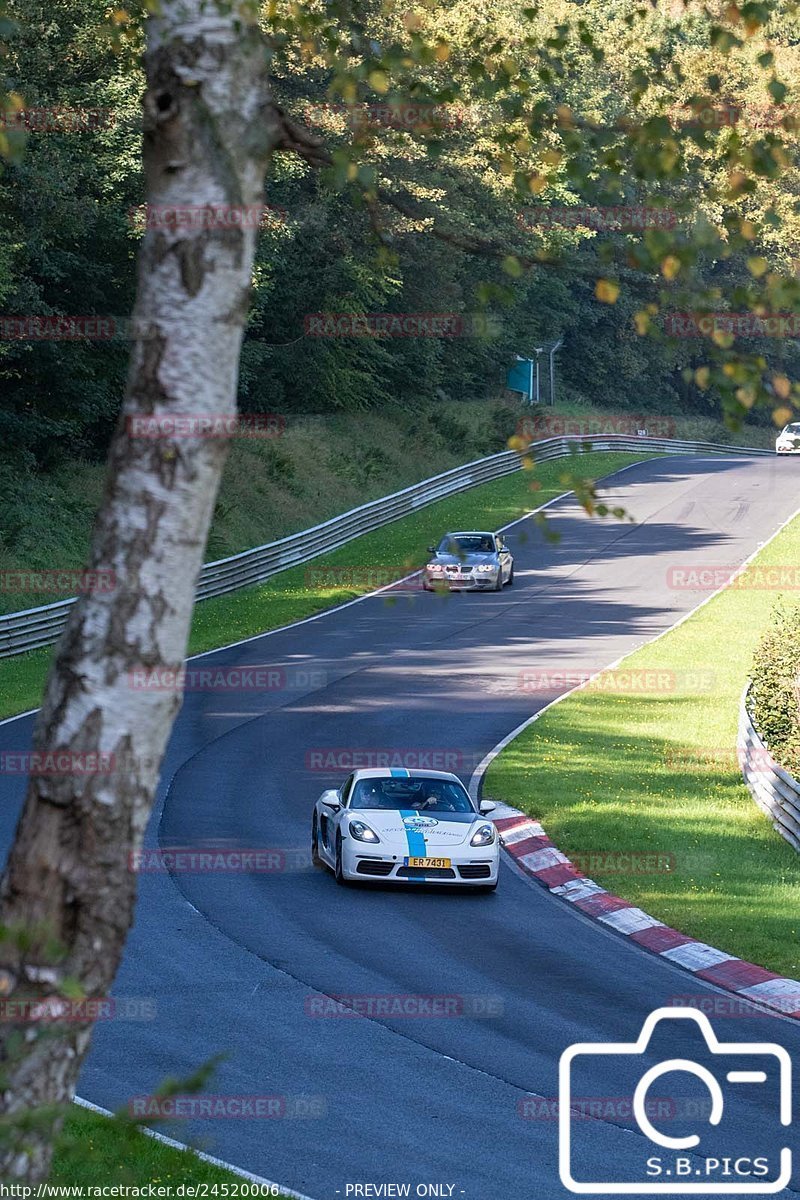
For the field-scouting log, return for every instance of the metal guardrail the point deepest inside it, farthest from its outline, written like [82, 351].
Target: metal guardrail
[774, 790]
[36, 627]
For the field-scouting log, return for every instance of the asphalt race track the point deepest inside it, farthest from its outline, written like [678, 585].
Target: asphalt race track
[238, 964]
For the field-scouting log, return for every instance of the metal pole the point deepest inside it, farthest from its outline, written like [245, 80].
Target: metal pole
[538, 350]
[557, 346]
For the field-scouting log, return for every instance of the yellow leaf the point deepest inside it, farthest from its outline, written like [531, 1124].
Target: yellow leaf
[725, 340]
[552, 157]
[512, 266]
[782, 416]
[782, 386]
[606, 290]
[757, 266]
[564, 114]
[642, 322]
[670, 266]
[352, 170]
[747, 230]
[701, 377]
[442, 51]
[537, 184]
[379, 81]
[516, 443]
[522, 145]
[746, 397]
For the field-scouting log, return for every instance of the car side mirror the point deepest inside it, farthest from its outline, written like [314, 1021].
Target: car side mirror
[431, 549]
[487, 806]
[330, 799]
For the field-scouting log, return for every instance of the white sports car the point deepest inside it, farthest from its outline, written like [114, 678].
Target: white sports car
[788, 440]
[407, 827]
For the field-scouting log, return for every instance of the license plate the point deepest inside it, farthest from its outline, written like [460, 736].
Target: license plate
[459, 576]
[427, 862]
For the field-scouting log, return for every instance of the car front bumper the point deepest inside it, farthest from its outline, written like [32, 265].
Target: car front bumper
[787, 449]
[470, 866]
[482, 582]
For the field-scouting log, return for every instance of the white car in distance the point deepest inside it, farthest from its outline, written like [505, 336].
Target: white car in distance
[788, 440]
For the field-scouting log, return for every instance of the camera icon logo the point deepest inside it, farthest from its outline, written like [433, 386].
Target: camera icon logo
[685, 1165]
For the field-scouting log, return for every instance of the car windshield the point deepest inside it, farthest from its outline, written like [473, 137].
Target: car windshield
[794, 429]
[466, 543]
[422, 795]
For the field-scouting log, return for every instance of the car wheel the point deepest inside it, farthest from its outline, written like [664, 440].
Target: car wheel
[338, 872]
[315, 855]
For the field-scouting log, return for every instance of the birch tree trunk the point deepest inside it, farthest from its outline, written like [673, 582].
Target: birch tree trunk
[67, 897]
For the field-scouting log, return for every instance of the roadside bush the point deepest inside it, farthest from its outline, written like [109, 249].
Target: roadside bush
[775, 691]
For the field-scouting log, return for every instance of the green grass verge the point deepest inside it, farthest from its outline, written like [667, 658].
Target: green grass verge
[607, 772]
[299, 593]
[94, 1150]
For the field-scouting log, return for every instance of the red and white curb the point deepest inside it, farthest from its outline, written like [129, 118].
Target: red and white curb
[532, 850]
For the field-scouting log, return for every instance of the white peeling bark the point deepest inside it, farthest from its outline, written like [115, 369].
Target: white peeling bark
[208, 132]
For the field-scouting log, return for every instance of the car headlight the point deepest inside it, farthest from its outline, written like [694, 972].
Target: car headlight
[483, 836]
[487, 567]
[362, 832]
[434, 567]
